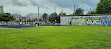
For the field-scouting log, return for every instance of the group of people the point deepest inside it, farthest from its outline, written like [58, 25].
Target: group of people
[37, 24]
[15, 23]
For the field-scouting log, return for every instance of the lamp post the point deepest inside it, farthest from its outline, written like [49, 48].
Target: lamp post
[74, 10]
[38, 13]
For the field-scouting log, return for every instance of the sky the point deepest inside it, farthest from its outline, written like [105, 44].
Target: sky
[25, 7]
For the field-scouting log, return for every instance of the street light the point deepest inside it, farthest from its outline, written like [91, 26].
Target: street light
[38, 13]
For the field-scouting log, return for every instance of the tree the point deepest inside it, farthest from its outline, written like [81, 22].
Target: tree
[104, 7]
[6, 17]
[45, 16]
[101, 0]
[79, 11]
[54, 14]
[40, 19]
[104, 0]
[91, 12]
[62, 14]
[52, 17]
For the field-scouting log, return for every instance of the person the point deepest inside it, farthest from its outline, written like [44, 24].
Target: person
[20, 23]
[70, 22]
[38, 24]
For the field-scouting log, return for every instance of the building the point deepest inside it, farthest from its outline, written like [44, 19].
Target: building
[1, 9]
[17, 16]
[23, 19]
[103, 20]
[33, 16]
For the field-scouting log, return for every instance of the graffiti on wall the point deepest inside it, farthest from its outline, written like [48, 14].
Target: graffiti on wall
[97, 22]
[93, 22]
[106, 22]
[78, 21]
[85, 22]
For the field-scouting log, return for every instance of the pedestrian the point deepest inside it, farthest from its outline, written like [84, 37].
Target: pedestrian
[38, 24]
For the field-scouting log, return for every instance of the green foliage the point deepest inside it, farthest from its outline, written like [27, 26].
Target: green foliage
[6, 17]
[40, 20]
[45, 16]
[59, 37]
[52, 17]
[30, 20]
[104, 7]
[54, 14]
[91, 12]
[79, 11]
[62, 14]
[104, 0]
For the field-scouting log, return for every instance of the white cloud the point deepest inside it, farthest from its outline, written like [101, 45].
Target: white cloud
[46, 6]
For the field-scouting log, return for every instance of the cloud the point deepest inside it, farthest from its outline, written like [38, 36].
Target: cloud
[18, 3]
[33, 3]
[24, 7]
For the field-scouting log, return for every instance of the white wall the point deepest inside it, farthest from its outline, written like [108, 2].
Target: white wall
[65, 20]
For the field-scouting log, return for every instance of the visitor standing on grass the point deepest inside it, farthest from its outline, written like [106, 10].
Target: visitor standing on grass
[37, 24]
[70, 22]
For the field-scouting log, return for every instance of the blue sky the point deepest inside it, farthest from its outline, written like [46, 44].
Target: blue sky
[24, 7]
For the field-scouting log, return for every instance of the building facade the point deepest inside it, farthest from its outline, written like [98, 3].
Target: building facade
[104, 20]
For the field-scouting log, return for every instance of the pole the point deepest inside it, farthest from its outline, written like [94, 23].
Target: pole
[55, 9]
[74, 9]
[90, 11]
[62, 12]
[38, 13]
[82, 4]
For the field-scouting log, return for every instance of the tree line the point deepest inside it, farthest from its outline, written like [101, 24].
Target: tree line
[103, 7]
[6, 17]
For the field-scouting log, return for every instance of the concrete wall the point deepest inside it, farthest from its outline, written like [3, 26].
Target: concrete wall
[86, 20]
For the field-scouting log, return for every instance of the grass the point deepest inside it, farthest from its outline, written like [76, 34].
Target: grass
[56, 37]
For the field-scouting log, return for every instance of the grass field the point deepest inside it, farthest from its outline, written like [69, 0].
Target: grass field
[56, 37]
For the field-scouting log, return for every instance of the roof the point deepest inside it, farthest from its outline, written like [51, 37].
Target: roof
[90, 15]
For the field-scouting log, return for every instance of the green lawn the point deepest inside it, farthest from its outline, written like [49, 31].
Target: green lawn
[56, 37]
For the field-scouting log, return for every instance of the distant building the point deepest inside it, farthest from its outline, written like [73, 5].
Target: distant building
[34, 16]
[17, 16]
[23, 19]
[1, 9]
